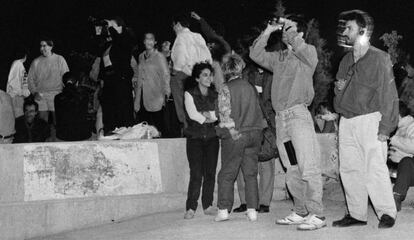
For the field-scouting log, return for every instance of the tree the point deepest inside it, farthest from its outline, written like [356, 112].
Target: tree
[391, 42]
[322, 78]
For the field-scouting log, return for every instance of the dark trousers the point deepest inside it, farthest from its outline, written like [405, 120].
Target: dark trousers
[177, 90]
[241, 153]
[117, 104]
[202, 157]
[152, 118]
[405, 176]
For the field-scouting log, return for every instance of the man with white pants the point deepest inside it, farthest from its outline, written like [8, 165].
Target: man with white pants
[366, 97]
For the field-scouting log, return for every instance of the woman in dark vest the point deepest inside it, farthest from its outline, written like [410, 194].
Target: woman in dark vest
[202, 142]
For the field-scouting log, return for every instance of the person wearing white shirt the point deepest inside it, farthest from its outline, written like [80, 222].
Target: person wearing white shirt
[45, 78]
[17, 86]
[202, 141]
[189, 48]
[402, 152]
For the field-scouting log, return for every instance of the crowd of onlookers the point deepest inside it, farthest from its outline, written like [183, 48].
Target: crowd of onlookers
[254, 96]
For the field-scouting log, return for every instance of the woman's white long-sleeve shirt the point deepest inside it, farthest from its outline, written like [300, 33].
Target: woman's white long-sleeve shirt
[15, 83]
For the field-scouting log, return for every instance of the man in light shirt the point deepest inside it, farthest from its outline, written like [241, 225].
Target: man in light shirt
[45, 78]
[189, 48]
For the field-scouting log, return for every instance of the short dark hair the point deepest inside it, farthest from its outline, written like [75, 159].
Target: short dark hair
[19, 52]
[48, 41]
[199, 67]
[29, 101]
[404, 110]
[153, 34]
[363, 19]
[183, 19]
[69, 78]
[302, 25]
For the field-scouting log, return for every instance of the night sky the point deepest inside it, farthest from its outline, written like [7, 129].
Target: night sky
[24, 21]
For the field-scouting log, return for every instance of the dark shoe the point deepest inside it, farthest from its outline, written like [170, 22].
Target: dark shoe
[263, 209]
[398, 200]
[348, 221]
[386, 221]
[241, 208]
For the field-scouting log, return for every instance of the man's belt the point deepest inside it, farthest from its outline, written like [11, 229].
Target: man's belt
[6, 137]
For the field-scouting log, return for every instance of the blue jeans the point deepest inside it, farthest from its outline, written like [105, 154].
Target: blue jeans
[304, 180]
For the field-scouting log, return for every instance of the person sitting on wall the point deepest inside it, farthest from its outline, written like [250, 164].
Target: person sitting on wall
[326, 120]
[402, 152]
[71, 108]
[30, 127]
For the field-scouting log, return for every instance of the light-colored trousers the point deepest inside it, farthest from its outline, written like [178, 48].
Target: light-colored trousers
[266, 183]
[304, 180]
[363, 169]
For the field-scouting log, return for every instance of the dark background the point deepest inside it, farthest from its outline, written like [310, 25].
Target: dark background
[24, 21]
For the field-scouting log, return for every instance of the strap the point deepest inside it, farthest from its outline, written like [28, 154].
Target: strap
[265, 115]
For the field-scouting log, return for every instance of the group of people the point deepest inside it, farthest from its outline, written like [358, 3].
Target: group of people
[233, 95]
[365, 98]
[49, 89]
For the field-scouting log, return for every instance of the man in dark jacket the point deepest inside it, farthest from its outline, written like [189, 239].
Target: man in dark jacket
[117, 73]
[29, 127]
[71, 109]
[366, 98]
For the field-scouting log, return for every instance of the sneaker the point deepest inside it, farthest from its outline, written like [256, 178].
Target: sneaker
[189, 214]
[212, 211]
[386, 221]
[222, 215]
[263, 209]
[348, 221]
[241, 208]
[312, 222]
[251, 214]
[292, 219]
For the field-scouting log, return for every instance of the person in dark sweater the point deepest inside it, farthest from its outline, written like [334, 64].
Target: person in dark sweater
[29, 127]
[241, 121]
[200, 103]
[71, 108]
[117, 73]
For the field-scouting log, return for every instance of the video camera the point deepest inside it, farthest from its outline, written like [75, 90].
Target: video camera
[100, 25]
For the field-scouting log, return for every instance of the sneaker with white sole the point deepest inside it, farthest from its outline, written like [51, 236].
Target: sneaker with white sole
[312, 222]
[222, 215]
[212, 211]
[189, 214]
[291, 219]
[251, 214]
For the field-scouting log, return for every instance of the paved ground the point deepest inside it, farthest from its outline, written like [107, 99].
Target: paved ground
[172, 226]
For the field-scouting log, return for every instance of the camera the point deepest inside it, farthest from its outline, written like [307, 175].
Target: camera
[100, 25]
[277, 21]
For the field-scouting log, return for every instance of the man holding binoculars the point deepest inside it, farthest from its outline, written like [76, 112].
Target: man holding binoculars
[292, 93]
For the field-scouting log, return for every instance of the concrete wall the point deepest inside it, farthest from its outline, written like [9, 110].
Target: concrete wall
[22, 219]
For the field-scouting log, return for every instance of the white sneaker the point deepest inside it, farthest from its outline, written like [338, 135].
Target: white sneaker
[312, 223]
[189, 214]
[291, 219]
[251, 214]
[210, 211]
[222, 215]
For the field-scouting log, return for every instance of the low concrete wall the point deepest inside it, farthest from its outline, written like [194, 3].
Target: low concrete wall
[26, 213]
